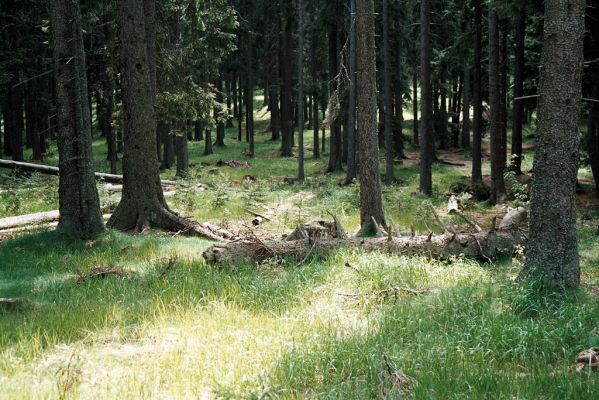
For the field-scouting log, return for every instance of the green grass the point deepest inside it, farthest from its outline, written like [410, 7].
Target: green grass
[277, 330]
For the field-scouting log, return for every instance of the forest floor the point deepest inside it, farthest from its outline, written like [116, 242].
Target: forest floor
[163, 324]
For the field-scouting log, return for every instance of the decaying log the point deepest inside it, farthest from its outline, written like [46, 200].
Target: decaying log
[49, 170]
[453, 209]
[324, 236]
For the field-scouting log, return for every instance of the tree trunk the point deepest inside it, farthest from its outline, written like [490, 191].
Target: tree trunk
[142, 204]
[426, 136]
[398, 139]
[553, 248]
[416, 138]
[351, 101]
[286, 59]
[79, 203]
[300, 93]
[498, 193]
[503, 92]
[371, 204]
[466, 109]
[518, 113]
[17, 118]
[477, 100]
[182, 150]
[387, 102]
[335, 151]
[220, 126]
[249, 93]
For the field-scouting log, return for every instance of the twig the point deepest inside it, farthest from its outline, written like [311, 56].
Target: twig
[438, 218]
[467, 220]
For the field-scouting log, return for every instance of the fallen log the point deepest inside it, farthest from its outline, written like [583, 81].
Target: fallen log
[49, 170]
[321, 237]
[49, 220]
[29, 219]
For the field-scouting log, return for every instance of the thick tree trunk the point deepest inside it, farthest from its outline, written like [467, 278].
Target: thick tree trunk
[553, 248]
[142, 204]
[477, 100]
[498, 192]
[371, 203]
[518, 113]
[426, 135]
[79, 203]
[182, 151]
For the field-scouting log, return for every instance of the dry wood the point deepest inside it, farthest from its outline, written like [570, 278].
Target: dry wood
[49, 170]
[321, 236]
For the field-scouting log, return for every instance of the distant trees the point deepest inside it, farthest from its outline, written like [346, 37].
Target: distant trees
[79, 202]
[553, 245]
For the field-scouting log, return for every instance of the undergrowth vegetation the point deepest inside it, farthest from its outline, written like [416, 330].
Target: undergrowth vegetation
[145, 317]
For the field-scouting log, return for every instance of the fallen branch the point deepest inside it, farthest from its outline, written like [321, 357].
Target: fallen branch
[452, 209]
[100, 272]
[49, 170]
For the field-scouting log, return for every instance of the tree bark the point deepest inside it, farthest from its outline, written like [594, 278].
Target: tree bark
[553, 247]
[426, 135]
[371, 203]
[351, 101]
[518, 113]
[498, 192]
[335, 150]
[79, 203]
[300, 93]
[477, 101]
[142, 205]
[416, 138]
[387, 101]
[286, 59]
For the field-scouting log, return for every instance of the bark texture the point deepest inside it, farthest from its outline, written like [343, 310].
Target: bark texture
[518, 113]
[477, 102]
[498, 193]
[426, 134]
[371, 203]
[142, 205]
[78, 197]
[553, 247]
